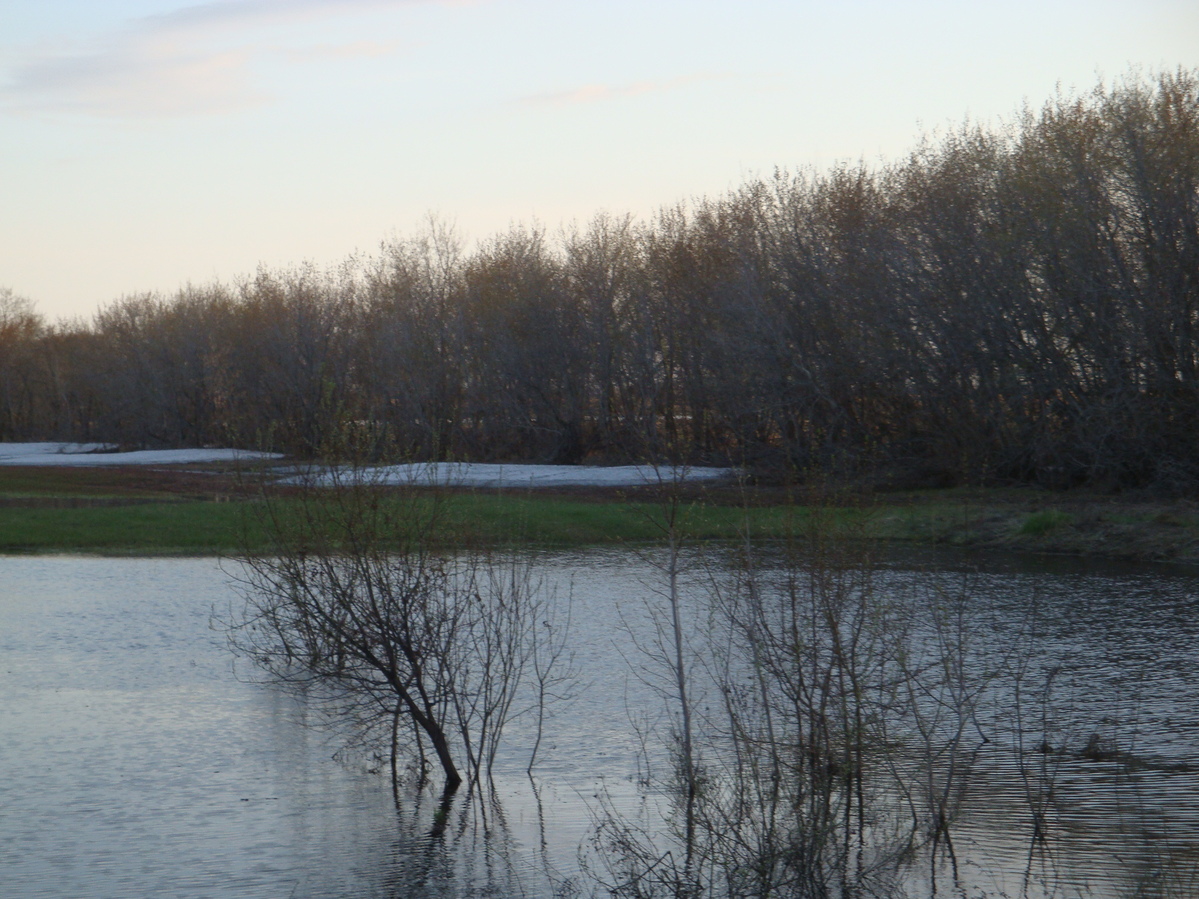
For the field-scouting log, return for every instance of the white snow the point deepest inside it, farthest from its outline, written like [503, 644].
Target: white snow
[521, 477]
[449, 474]
[93, 454]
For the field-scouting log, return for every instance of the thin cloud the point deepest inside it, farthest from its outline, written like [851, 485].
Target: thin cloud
[353, 50]
[196, 60]
[137, 82]
[234, 14]
[598, 93]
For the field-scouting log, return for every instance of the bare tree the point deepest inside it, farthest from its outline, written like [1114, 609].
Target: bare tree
[411, 350]
[1007, 304]
[20, 328]
[834, 740]
[369, 596]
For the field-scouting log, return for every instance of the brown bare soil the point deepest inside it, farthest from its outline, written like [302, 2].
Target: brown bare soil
[48, 486]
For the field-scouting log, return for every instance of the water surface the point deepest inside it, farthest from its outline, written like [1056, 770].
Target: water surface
[138, 759]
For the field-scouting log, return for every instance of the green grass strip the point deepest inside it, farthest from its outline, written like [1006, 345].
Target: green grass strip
[211, 528]
[201, 527]
[198, 528]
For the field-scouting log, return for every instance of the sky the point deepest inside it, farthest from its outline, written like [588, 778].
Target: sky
[150, 144]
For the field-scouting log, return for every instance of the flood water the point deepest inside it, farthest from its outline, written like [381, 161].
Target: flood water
[138, 758]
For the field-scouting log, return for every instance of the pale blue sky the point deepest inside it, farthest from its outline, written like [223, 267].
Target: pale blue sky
[148, 143]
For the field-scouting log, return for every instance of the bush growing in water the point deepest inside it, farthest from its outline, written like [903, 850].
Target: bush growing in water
[837, 724]
[367, 599]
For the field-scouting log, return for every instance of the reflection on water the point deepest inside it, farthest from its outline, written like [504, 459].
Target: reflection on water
[136, 762]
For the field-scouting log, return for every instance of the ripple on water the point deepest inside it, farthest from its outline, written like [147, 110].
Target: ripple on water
[135, 763]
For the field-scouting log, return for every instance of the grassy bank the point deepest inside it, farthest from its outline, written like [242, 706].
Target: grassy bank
[134, 522]
[187, 512]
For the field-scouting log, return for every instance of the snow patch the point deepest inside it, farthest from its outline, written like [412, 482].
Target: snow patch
[448, 474]
[95, 454]
[520, 477]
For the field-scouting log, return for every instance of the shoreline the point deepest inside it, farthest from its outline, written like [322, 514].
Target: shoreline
[187, 511]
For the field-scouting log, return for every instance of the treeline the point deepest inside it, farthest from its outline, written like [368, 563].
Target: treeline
[1015, 304]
